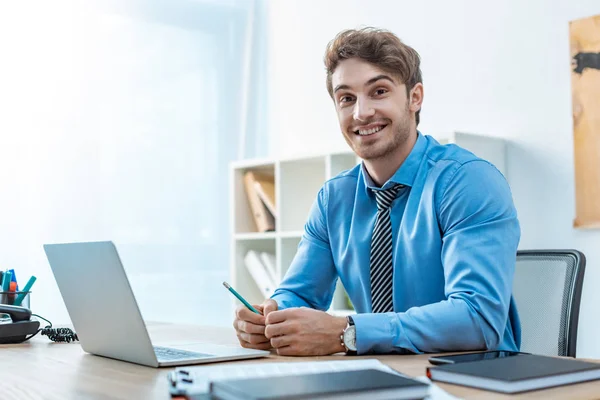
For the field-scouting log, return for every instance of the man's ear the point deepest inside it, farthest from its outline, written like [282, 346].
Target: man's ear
[416, 97]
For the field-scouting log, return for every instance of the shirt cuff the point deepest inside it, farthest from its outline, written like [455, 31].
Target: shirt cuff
[380, 333]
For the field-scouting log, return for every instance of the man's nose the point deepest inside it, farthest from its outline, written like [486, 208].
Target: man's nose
[363, 110]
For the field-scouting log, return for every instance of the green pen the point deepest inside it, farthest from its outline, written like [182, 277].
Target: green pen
[25, 290]
[6, 281]
[240, 298]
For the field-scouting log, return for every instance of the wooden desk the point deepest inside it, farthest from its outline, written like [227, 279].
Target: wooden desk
[41, 369]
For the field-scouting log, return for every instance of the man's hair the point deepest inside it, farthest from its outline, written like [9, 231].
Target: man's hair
[379, 47]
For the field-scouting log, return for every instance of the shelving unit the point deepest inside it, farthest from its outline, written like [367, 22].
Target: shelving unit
[297, 182]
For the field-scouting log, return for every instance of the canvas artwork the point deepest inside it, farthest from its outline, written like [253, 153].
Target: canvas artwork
[585, 86]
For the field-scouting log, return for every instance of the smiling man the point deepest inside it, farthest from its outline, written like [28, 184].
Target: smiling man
[423, 236]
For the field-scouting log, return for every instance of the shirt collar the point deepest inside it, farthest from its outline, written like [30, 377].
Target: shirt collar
[405, 175]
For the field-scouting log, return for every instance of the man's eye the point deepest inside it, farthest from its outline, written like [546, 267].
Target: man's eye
[345, 99]
[380, 92]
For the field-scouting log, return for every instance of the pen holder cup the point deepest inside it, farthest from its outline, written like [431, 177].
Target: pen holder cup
[10, 298]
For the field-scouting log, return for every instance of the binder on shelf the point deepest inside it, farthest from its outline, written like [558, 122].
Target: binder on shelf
[262, 217]
[268, 261]
[259, 273]
[265, 189]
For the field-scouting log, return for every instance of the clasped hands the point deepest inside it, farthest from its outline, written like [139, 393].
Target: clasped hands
[292, 332]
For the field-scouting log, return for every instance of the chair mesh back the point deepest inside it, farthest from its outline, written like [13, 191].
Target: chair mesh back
[543, 290]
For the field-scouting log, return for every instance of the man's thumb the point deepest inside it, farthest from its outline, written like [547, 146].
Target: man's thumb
[268, 306]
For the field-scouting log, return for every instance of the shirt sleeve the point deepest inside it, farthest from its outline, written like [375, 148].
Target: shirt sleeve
[480, 236]
[311, 278]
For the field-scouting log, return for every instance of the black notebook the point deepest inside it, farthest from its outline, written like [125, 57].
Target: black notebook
[516, 374]
[369, 384]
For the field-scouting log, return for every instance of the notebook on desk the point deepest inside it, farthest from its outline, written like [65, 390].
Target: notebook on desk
[516, 374]
[195, 382]
[371, 384]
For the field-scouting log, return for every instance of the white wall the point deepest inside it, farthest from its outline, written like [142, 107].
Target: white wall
[497, 68]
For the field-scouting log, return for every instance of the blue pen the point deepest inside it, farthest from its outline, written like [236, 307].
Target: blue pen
[14, 278]
[25, 290]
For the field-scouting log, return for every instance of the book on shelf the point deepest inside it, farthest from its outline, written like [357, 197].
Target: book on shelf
[259, 273]
[265, 189]
[358, 384]
[516, 374]
[263, 218]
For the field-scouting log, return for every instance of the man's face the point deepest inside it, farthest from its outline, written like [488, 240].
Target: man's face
[372, 107]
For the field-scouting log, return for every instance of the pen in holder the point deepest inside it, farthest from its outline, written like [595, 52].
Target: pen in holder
[11, 297]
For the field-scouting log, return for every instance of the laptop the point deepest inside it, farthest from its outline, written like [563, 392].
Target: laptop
[105, 314]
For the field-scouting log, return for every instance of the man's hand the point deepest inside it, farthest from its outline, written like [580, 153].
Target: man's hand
[250, 327]
[304, 332]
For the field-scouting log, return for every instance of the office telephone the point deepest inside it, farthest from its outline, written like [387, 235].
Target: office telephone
[21, 325]
[22, 328]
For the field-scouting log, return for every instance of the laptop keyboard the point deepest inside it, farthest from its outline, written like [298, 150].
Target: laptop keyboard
[169, 354]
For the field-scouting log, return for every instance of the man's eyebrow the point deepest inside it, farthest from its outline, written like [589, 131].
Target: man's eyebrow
[379, 77]
[340, 87]
[369, 82]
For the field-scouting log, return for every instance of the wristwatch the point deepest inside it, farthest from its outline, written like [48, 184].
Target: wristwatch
[348, 337]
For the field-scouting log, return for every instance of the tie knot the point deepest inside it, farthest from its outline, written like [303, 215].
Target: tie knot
[385, 197]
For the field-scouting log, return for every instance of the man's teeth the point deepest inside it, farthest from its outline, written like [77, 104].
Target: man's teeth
[370, 131]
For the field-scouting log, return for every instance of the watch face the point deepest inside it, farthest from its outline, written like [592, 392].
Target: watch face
[350, 338]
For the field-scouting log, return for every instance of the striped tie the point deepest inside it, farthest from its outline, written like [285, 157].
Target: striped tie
[381, 252]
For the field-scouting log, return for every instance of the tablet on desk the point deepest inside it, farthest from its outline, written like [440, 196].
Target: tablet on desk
[482, 355]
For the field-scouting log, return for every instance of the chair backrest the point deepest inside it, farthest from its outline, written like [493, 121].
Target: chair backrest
[547, 290]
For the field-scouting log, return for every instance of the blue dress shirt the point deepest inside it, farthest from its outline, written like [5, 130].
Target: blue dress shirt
[455, 236]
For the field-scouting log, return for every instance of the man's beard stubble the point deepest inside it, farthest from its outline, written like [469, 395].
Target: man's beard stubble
[375, 152]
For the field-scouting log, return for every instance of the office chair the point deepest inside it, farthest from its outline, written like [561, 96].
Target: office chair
[547, 290]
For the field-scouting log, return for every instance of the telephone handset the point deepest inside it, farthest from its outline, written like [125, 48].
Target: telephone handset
[20, 327]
